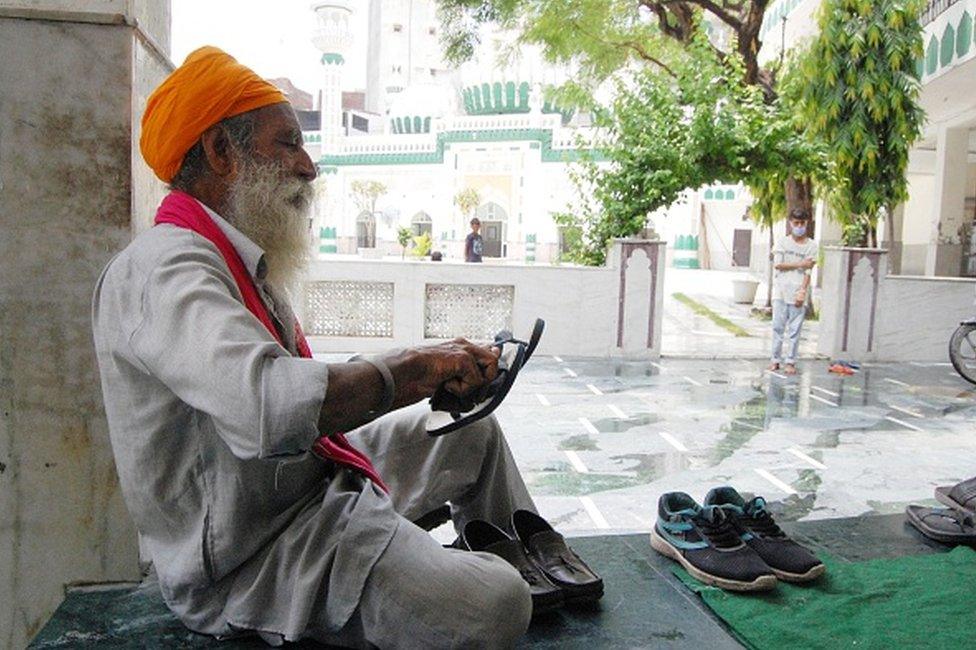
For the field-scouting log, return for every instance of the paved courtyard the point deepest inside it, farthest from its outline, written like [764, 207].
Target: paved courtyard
[688, 334]
[599, 441]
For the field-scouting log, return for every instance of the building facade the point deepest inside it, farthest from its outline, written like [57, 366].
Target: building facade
[428, 131]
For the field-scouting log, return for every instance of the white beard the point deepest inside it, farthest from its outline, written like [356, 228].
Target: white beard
[272, 210]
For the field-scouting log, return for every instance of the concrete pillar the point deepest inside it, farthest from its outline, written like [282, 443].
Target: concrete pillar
[849, 308]
[944, 255]
[640, 297]
[74, 76]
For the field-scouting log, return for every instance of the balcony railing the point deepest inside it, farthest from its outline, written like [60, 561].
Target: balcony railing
[933, 9]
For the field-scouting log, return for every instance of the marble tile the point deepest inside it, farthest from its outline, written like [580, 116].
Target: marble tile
[737, 421]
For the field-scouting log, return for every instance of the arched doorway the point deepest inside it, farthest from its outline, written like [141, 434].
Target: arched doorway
[421, 223]
[493, 219]
[365, 230]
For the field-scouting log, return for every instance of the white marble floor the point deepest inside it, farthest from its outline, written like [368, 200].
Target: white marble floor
[598, 448]
[687, 334]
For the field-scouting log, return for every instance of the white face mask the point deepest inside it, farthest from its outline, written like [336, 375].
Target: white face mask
[799, 231]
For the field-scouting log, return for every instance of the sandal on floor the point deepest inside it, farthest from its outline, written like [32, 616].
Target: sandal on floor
[449, 412]
[961, 496]
[943, 524]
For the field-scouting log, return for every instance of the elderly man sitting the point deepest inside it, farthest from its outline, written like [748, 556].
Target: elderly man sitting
[260, 516]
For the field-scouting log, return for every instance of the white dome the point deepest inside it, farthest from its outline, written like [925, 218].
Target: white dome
[424, 100]
[497, 58]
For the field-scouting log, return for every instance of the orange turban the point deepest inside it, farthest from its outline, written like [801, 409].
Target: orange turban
[209, 87]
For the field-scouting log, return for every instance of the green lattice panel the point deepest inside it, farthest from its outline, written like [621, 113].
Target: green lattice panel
[947, 49]
[964, 35]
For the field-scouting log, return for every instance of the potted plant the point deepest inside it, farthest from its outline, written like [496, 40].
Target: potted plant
[422, 245]
[404, 235]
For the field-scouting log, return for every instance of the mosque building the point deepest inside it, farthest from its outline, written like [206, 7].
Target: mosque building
[427, 131]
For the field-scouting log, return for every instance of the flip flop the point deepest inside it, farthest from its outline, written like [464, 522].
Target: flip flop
[961, 496]
[449, 412]
[943, 524]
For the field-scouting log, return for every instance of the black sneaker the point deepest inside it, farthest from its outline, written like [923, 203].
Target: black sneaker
[705, 543]
[788, 560]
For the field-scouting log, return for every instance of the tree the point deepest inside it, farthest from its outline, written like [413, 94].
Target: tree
[404, 236]
[603, 36]
[791, 169]
[860, 95]
[422, 245]
[467, 201]
[366, 193]
[666, 134]
[665, 39]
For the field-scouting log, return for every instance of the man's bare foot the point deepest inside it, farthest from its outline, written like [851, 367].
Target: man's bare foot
[789, 369]
[773, 366]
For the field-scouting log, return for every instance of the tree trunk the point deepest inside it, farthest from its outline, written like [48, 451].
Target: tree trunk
[769, 269]
[799, 196]
[704, 254]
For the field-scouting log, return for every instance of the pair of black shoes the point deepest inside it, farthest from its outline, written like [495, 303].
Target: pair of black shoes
[729, 542]
[555, 574]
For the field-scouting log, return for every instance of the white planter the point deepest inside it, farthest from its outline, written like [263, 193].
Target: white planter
[744, 291]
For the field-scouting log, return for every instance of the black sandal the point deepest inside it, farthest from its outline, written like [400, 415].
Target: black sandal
[450, 412]
[943, 524]
[961, 496]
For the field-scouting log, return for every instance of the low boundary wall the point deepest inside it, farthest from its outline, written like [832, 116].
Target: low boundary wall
[353, 305]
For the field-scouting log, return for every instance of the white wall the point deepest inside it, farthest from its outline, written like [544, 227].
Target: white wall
[881, 317]
[918, 223]
[579, 304]
[917, 315]
[801, 27]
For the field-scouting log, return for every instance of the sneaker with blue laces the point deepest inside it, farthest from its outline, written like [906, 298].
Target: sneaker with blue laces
[756, 527]
[704, 541]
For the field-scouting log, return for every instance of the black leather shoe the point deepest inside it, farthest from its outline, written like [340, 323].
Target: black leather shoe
[549, 552]
[483, 536]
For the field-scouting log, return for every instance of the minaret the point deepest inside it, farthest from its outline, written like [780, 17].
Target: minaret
[334, 37]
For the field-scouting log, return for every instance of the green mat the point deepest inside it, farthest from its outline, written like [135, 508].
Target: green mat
[927, 600]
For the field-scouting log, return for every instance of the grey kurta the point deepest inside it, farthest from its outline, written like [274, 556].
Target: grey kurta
[210, 419]
[200, 399]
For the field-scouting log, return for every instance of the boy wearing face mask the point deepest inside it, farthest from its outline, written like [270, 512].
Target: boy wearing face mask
[793, 258]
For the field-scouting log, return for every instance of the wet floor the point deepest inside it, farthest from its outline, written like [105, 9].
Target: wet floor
[687, 334]
[599, 441]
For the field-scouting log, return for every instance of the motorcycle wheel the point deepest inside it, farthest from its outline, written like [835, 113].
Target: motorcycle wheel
[962, 352]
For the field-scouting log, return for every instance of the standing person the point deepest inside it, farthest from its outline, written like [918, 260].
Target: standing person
[793, 258]
[474, 245]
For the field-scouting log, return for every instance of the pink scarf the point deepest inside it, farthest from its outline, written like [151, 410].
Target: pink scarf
[182, 210]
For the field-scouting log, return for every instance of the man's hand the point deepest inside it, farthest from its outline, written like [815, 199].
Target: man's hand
[356, 387]
[462, 366]
[800, 297]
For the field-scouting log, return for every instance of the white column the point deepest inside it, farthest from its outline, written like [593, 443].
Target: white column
[74, 78]
[949, 196]
[331, 109]
[333, 38]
